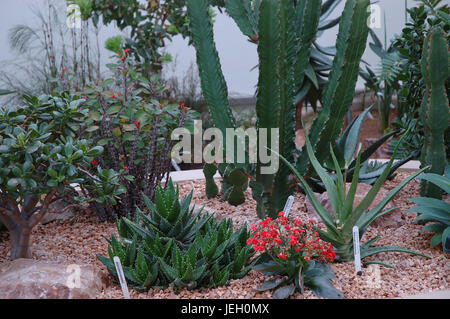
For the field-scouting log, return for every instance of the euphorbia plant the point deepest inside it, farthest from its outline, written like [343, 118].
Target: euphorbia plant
[293, 249]
[346, 215]
[134, 127]
[40, 157]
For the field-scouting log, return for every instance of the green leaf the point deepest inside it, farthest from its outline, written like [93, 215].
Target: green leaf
[317, 278]
[270, 284]
[283, 292]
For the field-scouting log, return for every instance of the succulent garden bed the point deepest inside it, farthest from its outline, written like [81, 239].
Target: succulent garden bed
[79, 241]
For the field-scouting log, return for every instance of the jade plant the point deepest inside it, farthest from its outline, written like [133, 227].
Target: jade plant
[292, 249]
[435, 108]
[284, 31]
[339, 224]
[175, 244]
[40, 158]
[434, 213]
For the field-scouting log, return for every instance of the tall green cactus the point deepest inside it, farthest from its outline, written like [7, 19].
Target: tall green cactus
[339, 91]
[435, 107]
[284, 31]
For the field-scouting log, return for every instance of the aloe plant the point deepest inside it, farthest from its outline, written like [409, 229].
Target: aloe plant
[435, 107]
[172, 243]
[339, 225]
[284, 32]
[432, 211]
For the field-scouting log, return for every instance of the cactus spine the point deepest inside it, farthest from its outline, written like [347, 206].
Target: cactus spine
[435, 107]
[284, 31]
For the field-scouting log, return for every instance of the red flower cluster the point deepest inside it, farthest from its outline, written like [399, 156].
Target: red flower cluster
[123, 57]
[290, 239]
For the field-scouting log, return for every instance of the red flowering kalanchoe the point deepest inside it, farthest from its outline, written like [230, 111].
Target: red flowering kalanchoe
[286, 239]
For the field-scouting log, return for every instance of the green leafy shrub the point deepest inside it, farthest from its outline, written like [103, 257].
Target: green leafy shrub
[432, 211]
[41, 156]
[175, 244]
[127, 118]
[339, 226]
[293, 249]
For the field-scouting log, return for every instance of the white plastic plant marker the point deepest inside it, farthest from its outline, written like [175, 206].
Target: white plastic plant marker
[288, 206]
[356, 250]
[123, 282]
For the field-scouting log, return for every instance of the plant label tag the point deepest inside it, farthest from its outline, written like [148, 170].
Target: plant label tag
[288, 206]
[356, 251]
[123, 282]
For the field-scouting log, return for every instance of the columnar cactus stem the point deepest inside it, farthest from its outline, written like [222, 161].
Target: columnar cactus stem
[435, 107]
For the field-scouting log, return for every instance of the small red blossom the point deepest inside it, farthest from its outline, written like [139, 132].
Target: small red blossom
[94, 162]
[137, 124]
[125, 168]
[282, 256]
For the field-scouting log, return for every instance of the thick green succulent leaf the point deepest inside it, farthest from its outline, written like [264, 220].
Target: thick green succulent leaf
[317, 278]
[440, 181]
[283, 292]
[376, 250]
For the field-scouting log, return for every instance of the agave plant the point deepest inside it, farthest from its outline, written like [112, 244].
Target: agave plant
[345, 149]
[339, 225]
[432, 211]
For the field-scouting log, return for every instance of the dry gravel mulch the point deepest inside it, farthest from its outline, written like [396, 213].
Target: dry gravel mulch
[79, 241]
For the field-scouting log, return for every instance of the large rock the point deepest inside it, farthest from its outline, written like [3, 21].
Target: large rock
[392, 219]
[32, 279]
[58, 212]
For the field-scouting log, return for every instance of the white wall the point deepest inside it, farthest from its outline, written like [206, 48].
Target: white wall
[237, 55]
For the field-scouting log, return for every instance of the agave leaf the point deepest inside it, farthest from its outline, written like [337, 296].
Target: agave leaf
[434, 228]
[431, 212]
[431, 202]
[370, 216]
[445, 235]
[441, 181]
[377, 262]
[350, 198]
[320, 210]
[381, 249]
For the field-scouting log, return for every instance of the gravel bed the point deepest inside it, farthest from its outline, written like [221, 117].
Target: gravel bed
[80, 240]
